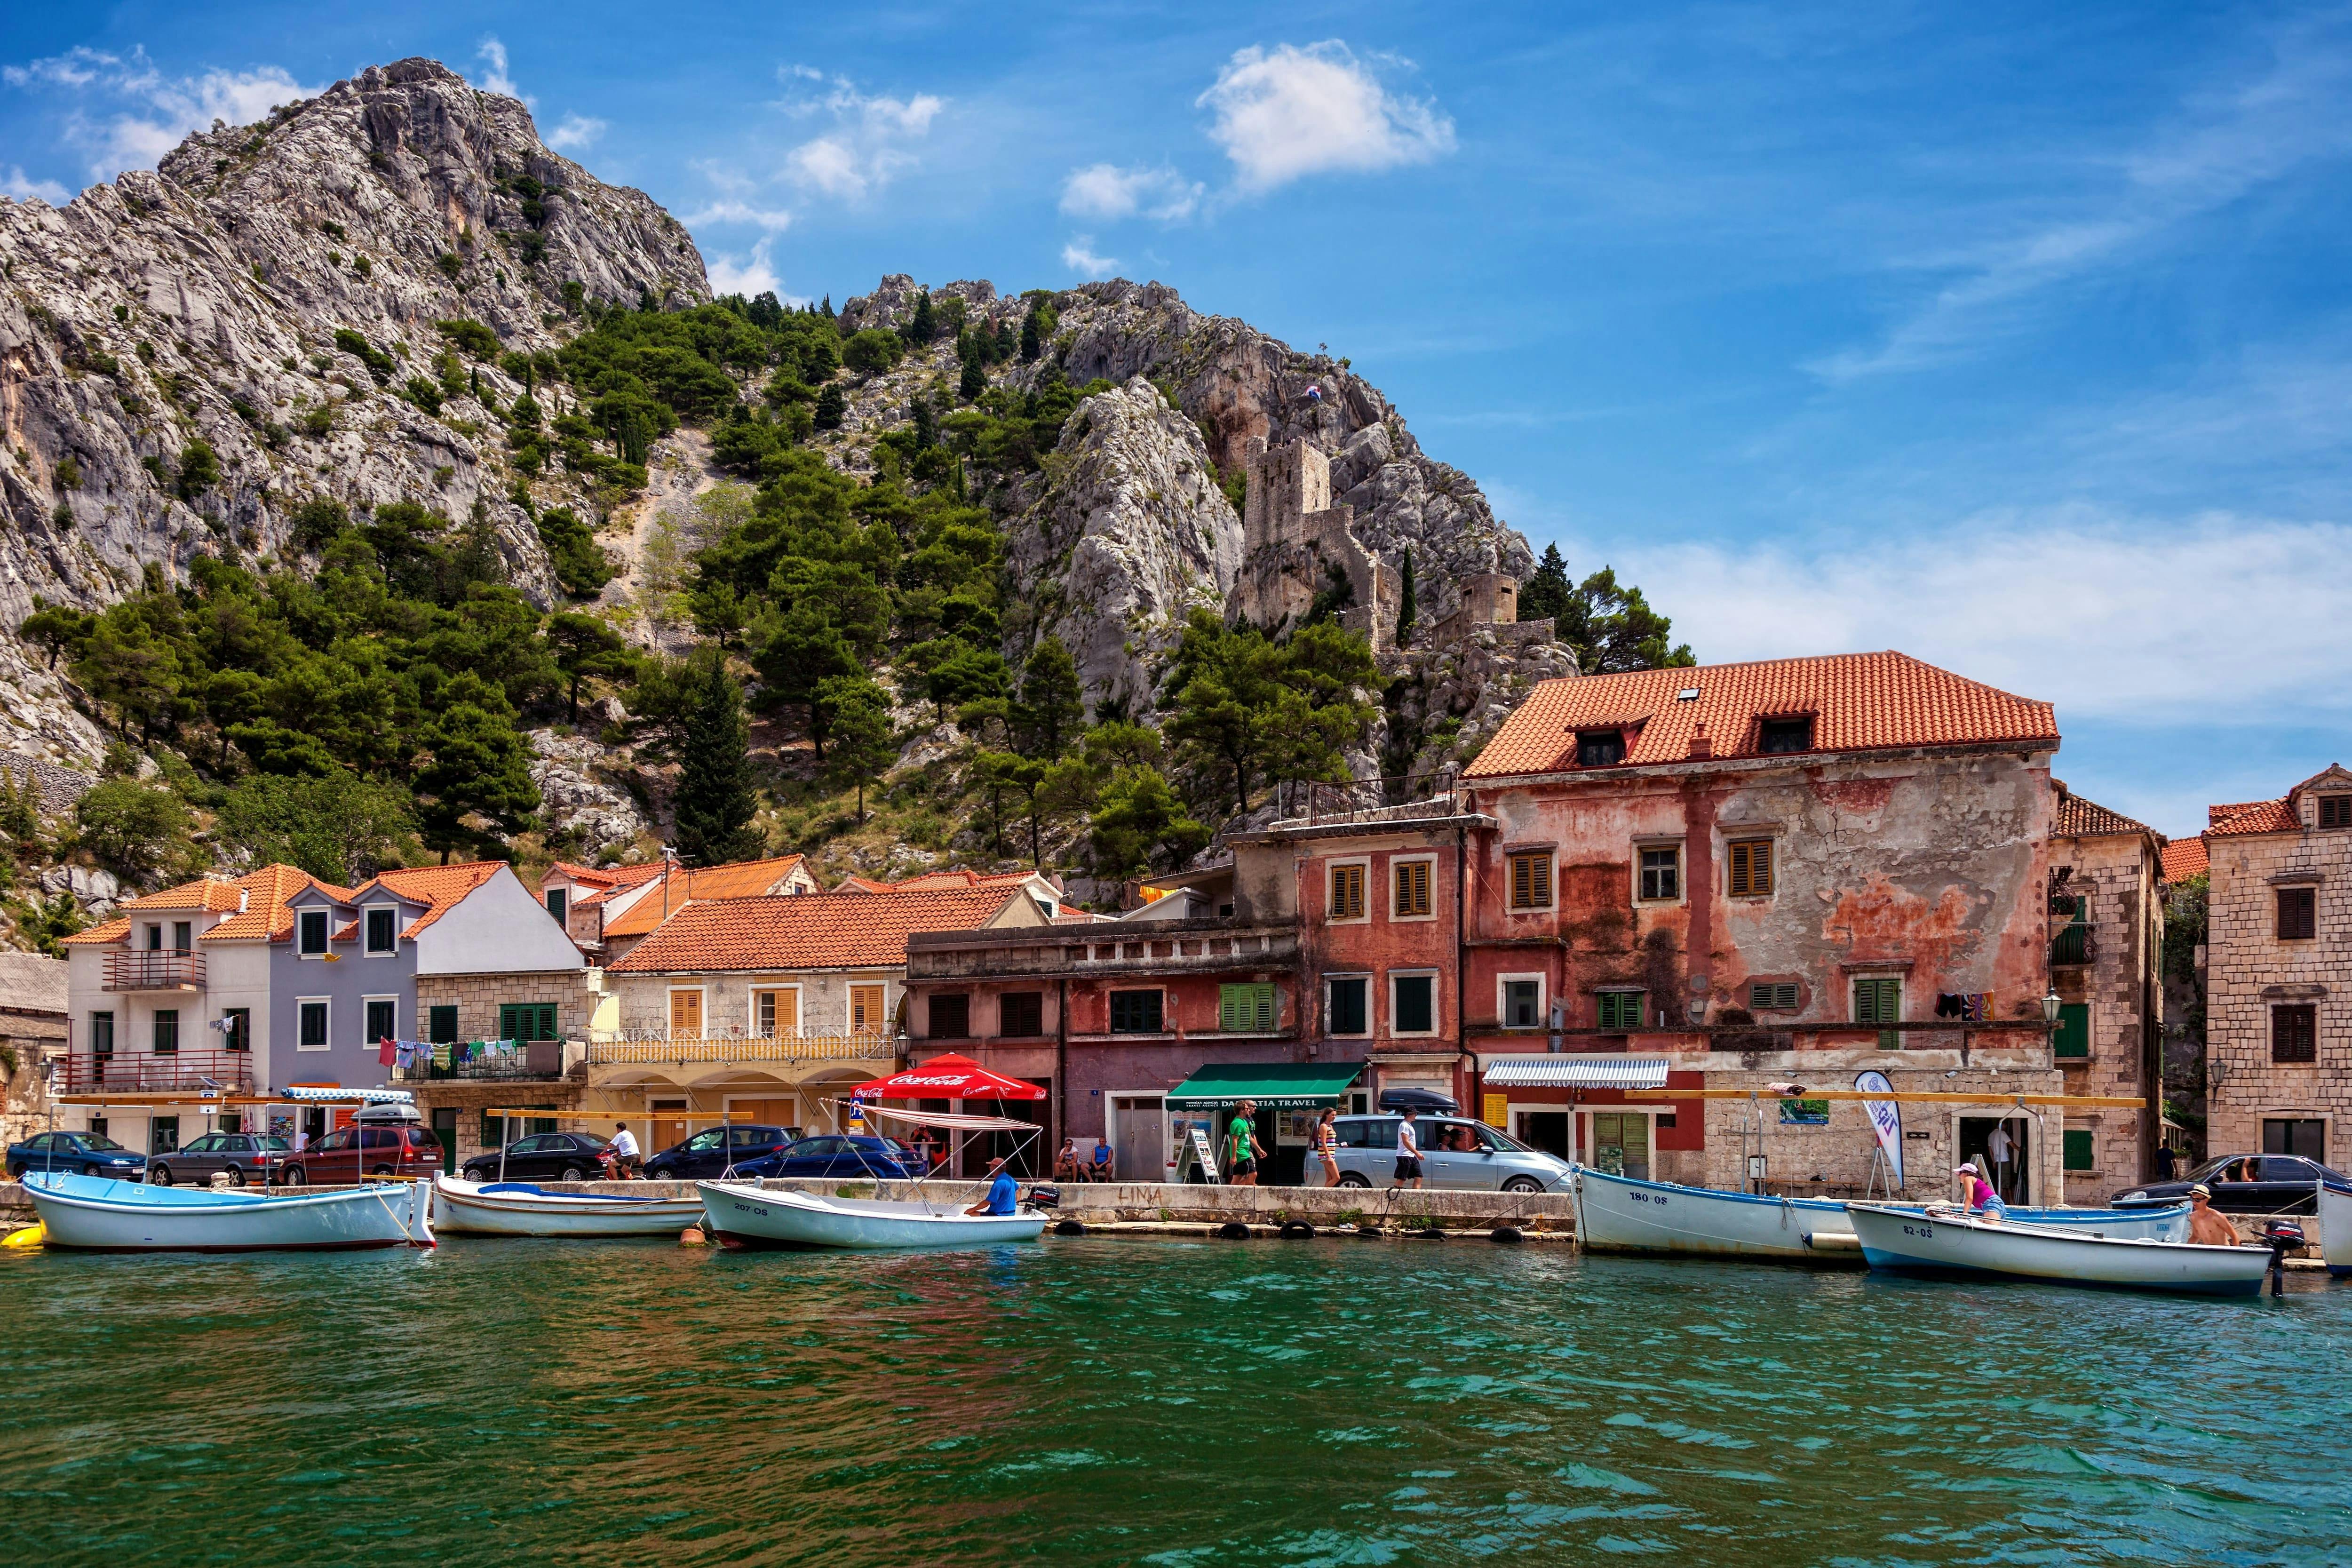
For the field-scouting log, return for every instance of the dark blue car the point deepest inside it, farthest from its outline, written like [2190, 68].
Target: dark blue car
[89, 1153]
[716, 1151]
[853, 1155]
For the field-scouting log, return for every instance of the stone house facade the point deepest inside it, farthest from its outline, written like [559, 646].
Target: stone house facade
[2107, 947]
[2279, 974]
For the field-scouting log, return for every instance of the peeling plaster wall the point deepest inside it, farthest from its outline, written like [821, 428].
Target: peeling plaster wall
[2118, 872]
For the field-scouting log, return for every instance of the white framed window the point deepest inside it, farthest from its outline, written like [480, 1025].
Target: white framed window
[1347, 1003]
[1413, 1001]
[1347, 896]
[1658, 873]
[775, 1012]
[313, 1021]
[381, 1018]
[1519, 1000]
[1412, 887]
[380, 931]
[310, 931]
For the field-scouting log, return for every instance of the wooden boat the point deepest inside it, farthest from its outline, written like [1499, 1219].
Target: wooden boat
[747, 1215]
[1621, 1214]
[1952, 1243]
[93, 1213]
[519, 1208]
[2336, 1229]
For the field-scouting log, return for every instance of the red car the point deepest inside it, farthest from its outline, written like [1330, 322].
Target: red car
[396, 1148]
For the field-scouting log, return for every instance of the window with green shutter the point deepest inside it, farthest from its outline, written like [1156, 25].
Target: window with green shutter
[1621, 1009]
[1880, 1002]
[527, 1021]
[1245, 1009]
[441, 1024]
[2079, 1153]
[2071, 1039]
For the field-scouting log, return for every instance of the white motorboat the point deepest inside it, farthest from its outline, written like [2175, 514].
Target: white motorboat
[1622, 1214]
[519, 1208]
[93, 1213]
[2336, 1229]
[1951, 1243]
[747, 1215]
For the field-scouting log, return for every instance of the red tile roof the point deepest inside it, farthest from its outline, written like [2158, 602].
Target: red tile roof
[1858, 701]
[700, 884]
[2184, 858]
[2217, 815]
[808, 930]
[2080, 818]
[2258, 816]
[262, 892]
[607, 877]
[441, 888]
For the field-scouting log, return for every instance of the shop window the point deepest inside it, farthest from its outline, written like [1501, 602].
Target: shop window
[1523, 1003]
[1661, 873]
[2294, 1032]
[1600, 748]
[442, 1021]
[1772, 996]
[2298, 914]
[2306, 1137]
[1413, 1005]
[1243, 1009]
[1347, 1013]
[1751, 867]
[2080, 1149]
[536, 1020]
[950, 1016]
[1347, 892]
[383, 931]
[312, 927]
[1880, 1002]
[167, 1031]
[1531, 879]
[1135, 1013]
[1412, 889]
[1021, 1013]
[1620, 1009]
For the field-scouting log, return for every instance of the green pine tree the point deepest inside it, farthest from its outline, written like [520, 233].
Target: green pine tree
[862, 745]
[716, 806]
[1050, 710]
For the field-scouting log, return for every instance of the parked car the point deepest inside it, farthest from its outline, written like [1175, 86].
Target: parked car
[402, 1150]
[543, 1156]
[850, 1155]
[1492, 1161]
[2244, 1184]
[714, 1149]
[90, 1154]
[243, 1157]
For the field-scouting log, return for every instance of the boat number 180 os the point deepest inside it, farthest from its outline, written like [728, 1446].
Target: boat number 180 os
[1648, 1198]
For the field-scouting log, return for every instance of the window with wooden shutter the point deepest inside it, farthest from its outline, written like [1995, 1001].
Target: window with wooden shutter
[1880, 1002]
[441, 1021]
[1772, 996]
[2080, 1150]
[2294, 1032]
[776, 1015]
[1620, 1009]
[1411, 887]
[1245, 1010]
[1751, 867]
[951, 1016]
[1531, 879]
[866, 1010]
[2336, 811]
[1135, 1013]
[686, 1012]
[1347, 892]
[536, 1020]
[2298, 914]
[1021, 1013]
[1413, 1005]
[2071, 1040]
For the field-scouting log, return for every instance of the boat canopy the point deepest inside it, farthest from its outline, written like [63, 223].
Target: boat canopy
[953, 1121]
[1278, 1085]
[1571, 1071]
[304, 1092]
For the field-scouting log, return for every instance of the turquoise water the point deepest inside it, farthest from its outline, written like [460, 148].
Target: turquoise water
[1087, 1401]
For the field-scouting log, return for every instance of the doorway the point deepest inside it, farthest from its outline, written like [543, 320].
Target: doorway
[445, 1132]
[1619, 1142]
[1544, 1130]
[1139, 1138]
[669, 1116]
[764, 1112]
[2013, 1178]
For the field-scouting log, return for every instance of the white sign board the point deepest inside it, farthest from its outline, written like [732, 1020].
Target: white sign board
[1202, 1152]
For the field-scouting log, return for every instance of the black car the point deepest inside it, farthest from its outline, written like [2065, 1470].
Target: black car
[89, 1154]
[714, 1149]
[542, 1156]
[850, 1155]
[2244, 1184]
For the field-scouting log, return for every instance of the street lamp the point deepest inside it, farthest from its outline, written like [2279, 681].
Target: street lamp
[2050, 1005]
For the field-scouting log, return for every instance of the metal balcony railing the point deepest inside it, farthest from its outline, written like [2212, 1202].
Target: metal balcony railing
[126, 1072]
[153, 969]
[661, 1046]
[2072, 944]
[539, 1060]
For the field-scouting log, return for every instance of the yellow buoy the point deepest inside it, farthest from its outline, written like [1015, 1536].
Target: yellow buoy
[31, 1235]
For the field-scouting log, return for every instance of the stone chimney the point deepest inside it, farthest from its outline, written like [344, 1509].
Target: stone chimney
[1701, 748]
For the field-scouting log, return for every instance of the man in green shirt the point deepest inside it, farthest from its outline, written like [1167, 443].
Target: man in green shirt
[1243, 1150]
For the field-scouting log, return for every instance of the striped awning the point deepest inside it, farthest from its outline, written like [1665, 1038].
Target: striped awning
[1572, 1071]
[311, 1092]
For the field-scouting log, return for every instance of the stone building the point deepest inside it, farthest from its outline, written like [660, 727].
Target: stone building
[1297, 547]
[32, 1002]
[2107, 944]
[2278, 982]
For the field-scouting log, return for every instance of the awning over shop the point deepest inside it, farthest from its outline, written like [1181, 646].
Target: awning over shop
[1570, 1071]
[1278, 1086]
[304, 1093]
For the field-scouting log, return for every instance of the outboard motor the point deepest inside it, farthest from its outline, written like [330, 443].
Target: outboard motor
[2283, 1235]
[1045, 1198]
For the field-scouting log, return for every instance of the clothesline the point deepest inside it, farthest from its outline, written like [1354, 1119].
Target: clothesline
[410, 1053]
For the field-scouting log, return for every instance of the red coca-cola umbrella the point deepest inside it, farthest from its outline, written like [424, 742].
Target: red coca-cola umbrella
[950, 1076]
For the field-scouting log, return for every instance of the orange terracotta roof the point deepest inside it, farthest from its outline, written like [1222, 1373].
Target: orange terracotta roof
[2184, 858]
[2217, 815]
[854, 884]
[440, 888]
[116, 930]
[610, 877]
[264, 893]
[1858, 701]
[2080, 818]
[700, 884]
[807, 931]
[2260, 816]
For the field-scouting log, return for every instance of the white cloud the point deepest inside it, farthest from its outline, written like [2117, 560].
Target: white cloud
[750, 278]
[773, 219]
[576, 132]
[152, 113]
[1107, 191]
[493, 53]
[1078, 256]
[872, 137]
[1286, 112]
[16, 187]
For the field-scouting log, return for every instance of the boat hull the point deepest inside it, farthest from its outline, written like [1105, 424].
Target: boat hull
[1963, 1247]
[1620, 1214]
[753, 1216]
[475, 1208]
[2336, 1230]
[87, 1214]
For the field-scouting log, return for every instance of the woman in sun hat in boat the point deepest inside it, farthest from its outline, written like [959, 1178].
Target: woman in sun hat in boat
[1977, 1194]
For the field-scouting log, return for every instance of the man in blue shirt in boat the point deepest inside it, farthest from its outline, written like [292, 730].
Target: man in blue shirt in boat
[1003, 1195]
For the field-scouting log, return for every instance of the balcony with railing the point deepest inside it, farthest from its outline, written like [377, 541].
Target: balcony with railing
[143, 1072]
[667, 1048]
[153, 969]
[2070, 945]
[529, 1061]
[1129, 947]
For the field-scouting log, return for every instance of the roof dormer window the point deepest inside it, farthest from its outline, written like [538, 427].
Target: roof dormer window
[311, 931]
[2336, 811]
[1784, 735]
[1600, 748]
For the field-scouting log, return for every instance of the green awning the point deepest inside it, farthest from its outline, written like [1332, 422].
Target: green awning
[1278, 1085]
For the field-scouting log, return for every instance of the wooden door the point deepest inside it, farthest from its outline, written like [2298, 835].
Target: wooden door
[669, 1125]
[865, 1015]
[686, 1013]
[777, 1113]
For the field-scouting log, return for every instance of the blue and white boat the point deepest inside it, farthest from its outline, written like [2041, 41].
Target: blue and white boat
[1956, 1244]
[1621, 1214]
[93, 1213]
[521, 1208]
[2336, 1230]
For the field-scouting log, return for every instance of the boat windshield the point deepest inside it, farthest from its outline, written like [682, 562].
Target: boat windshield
[99, 1141]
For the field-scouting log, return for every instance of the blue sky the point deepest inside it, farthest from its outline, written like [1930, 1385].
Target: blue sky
[2013, 336]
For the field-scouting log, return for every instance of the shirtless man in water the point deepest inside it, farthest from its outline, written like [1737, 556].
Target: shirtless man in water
[2206, 1225]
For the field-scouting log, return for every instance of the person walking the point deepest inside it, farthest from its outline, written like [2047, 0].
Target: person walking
[1327, 1145]
[623, 1153]
[2207, 1227]
[1245, 1151]
[2167, 1162]
[1408, 1165]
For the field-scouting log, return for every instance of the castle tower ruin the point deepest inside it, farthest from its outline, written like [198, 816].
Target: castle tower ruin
[1299, 549]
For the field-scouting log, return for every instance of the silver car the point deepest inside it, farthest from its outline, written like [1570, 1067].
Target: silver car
[1454, 1153]
[242, 1156]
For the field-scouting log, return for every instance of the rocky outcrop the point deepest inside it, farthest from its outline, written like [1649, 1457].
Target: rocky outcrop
[573, 802]
[201, 303]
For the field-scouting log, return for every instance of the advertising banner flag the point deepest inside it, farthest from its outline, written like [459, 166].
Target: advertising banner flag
[1885, 1118]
